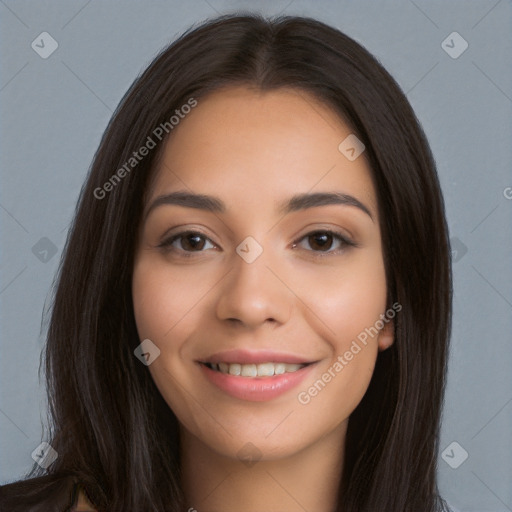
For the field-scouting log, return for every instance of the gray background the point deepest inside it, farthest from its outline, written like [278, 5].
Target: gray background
[54, 111]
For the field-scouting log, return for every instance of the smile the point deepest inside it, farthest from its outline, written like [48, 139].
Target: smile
[255, 376]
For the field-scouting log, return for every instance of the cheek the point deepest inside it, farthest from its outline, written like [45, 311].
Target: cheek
[165, 301]
[167, 306]
[346, 298]
[349, 300]
[170, 305]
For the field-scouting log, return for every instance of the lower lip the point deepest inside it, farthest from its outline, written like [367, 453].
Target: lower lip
[256, 389]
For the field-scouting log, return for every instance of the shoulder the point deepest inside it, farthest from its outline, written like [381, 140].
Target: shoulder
[50, 493]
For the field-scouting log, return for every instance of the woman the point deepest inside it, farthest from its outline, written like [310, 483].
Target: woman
[254, 303]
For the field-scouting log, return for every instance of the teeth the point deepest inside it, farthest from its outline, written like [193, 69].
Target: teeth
[266, 370]
[235, 369]
[249, 370]
[279, 368]
[256, 370]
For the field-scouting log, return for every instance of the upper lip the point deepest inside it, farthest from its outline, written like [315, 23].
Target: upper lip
[255, 357]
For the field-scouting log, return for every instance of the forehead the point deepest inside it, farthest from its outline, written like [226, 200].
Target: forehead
[254, 147]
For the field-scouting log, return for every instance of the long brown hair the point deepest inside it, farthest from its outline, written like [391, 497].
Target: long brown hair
[108, 422]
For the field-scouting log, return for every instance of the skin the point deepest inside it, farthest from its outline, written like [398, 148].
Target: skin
[254, 150]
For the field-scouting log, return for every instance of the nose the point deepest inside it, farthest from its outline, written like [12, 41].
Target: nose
[252, 295]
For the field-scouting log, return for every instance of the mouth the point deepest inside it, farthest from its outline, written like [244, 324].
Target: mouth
[255, 376]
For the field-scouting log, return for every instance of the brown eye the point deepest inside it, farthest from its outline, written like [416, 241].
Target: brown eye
[192, 242]
[188, 241]
[324, 241]
[320, 241]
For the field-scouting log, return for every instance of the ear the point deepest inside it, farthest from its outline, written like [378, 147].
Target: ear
[386, 336]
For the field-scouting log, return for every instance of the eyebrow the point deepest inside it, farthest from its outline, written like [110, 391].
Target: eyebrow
[295, 203]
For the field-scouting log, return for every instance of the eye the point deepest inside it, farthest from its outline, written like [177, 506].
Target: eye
[187, 242]
[322, 241]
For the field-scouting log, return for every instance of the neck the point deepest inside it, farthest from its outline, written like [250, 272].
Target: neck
[306, 480]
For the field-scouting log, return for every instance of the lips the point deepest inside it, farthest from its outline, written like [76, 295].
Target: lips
[256, 357]
[255, 376]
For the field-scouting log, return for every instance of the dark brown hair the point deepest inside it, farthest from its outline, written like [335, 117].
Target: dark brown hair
[109, 424]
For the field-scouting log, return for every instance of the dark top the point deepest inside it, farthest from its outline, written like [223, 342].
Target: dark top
[44, 494]
[52, 494]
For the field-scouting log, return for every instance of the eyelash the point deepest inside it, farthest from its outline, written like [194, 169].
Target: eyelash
[344, 241]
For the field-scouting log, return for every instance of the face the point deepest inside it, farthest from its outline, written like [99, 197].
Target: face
[267, 302]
